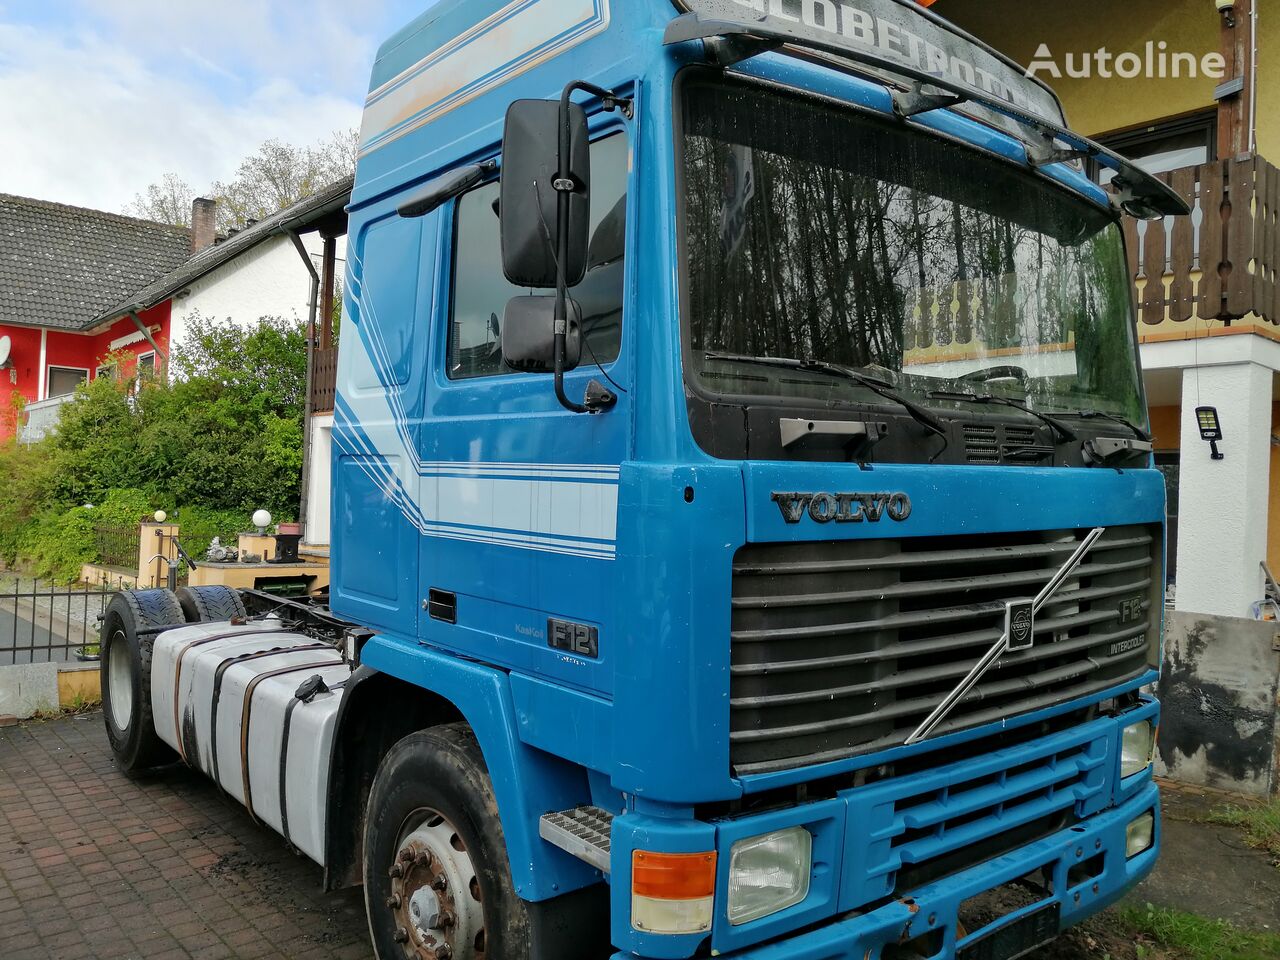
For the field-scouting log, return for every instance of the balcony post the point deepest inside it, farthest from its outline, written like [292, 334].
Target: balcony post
[1235, 110]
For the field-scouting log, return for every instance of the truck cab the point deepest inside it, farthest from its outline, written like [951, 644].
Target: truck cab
[746, 540]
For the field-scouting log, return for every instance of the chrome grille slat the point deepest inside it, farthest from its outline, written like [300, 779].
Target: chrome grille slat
[935, 557]
[977, 642]
[841, 648]
[925, 588]
[950, 614]
[947, 672]
[1070, 671]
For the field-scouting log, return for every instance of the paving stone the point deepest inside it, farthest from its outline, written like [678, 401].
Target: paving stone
[94, 864]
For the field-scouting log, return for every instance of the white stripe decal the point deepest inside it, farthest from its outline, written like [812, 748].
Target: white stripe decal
[515, 39]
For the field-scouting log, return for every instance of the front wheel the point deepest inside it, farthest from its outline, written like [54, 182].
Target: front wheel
[436, 877]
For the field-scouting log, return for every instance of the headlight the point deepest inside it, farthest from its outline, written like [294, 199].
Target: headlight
[1140, 834]
[769, 873]
[1136, 746]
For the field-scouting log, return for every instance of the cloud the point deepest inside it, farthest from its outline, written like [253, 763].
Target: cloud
[140, 88]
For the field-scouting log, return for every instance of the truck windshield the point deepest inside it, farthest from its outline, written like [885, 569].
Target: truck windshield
[818, 234]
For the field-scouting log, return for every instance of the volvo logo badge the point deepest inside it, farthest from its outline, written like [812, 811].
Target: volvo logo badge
[843, 507]
[1020, 624]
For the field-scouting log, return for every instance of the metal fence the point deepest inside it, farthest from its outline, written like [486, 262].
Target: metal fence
[118, 544]
[45, 623]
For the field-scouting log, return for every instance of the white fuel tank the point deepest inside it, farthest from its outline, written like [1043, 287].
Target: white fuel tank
[225, 698]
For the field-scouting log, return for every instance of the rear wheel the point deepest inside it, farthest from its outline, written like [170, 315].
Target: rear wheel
[125, 673]
[210, 604]
[436, 878]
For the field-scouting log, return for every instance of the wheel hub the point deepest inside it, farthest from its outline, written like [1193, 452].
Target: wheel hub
[435, 894]
[120, 677]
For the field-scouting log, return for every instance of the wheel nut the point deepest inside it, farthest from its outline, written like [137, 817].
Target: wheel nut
[393, 902]
[396, 871]
[444, 952]
[401, 935]
[445, 920]
[439, 883]
[423, 859]
[406, 856]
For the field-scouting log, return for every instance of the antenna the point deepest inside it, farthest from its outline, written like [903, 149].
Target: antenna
[6, 348]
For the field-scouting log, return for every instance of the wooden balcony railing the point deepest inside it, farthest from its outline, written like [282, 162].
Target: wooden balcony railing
[1220, 263]
[324, 380]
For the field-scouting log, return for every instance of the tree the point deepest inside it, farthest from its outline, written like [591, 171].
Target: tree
[168, 201]
[280, 174]
[275, 176]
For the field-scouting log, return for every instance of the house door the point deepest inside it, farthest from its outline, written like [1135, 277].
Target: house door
[1167, 463]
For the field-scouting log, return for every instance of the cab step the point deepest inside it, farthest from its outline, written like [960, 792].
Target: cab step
[582, 832]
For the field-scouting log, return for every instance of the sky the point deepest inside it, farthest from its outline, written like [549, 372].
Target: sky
[99, 98]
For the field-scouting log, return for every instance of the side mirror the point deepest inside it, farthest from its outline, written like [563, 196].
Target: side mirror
[529, 200]
[528, 334]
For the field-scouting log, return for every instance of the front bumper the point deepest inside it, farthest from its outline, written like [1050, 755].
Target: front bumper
[936, 907]
[869, 840]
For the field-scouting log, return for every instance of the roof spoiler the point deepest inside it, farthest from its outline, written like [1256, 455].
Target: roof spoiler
[727, 41]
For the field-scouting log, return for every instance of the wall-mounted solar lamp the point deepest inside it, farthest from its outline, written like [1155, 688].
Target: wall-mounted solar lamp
[1210, 429]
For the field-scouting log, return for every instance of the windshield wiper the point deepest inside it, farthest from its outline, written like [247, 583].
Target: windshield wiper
[1099, 415]
[877, 386]
[1064, 433]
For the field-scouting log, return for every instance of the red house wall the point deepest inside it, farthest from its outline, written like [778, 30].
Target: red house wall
[25, 359]
[67, 349]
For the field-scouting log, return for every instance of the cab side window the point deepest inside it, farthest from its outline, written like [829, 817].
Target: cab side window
[481, 291]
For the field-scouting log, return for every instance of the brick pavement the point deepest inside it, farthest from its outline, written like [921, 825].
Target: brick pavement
[96, 866]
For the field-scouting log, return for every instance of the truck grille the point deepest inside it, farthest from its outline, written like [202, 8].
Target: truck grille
[843, 648]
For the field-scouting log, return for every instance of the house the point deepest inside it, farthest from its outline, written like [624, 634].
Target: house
[1189, 88]
[61, 268]
[78, 286]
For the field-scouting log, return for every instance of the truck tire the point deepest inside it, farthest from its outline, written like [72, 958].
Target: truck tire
[125, 672]
[210, 604]
[437, 883]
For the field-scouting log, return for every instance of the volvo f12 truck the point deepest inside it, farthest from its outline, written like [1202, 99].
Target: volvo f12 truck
[745, 535]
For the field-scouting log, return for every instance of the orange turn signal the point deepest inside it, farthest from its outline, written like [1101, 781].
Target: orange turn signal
[673, 876]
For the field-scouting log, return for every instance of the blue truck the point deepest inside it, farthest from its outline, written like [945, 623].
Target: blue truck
[746, 540]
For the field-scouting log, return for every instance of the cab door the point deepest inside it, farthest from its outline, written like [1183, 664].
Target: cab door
[517, 557]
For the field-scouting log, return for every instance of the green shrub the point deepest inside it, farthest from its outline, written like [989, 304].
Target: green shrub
[218, 440]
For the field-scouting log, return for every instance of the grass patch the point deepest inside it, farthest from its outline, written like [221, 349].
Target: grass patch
[1260, 825]
[1195, 938]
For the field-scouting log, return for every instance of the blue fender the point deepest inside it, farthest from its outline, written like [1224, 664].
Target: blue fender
[527, 782]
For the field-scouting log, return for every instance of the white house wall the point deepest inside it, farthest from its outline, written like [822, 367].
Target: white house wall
[316, 529]
[268, 281]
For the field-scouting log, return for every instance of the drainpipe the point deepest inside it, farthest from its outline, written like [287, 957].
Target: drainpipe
[306, 410]
[1253, 85]
[142, 327]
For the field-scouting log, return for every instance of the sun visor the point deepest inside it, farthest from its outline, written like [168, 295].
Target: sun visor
[931, 65]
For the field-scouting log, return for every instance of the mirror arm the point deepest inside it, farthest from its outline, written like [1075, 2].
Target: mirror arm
[565, 186]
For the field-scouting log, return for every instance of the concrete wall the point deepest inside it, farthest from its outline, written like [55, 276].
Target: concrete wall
[1219, 694]
[31, 688]
[28, 689]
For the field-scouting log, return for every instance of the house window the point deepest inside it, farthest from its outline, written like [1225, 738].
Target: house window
[64, 380]
[146, 366]
[1162, 147]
